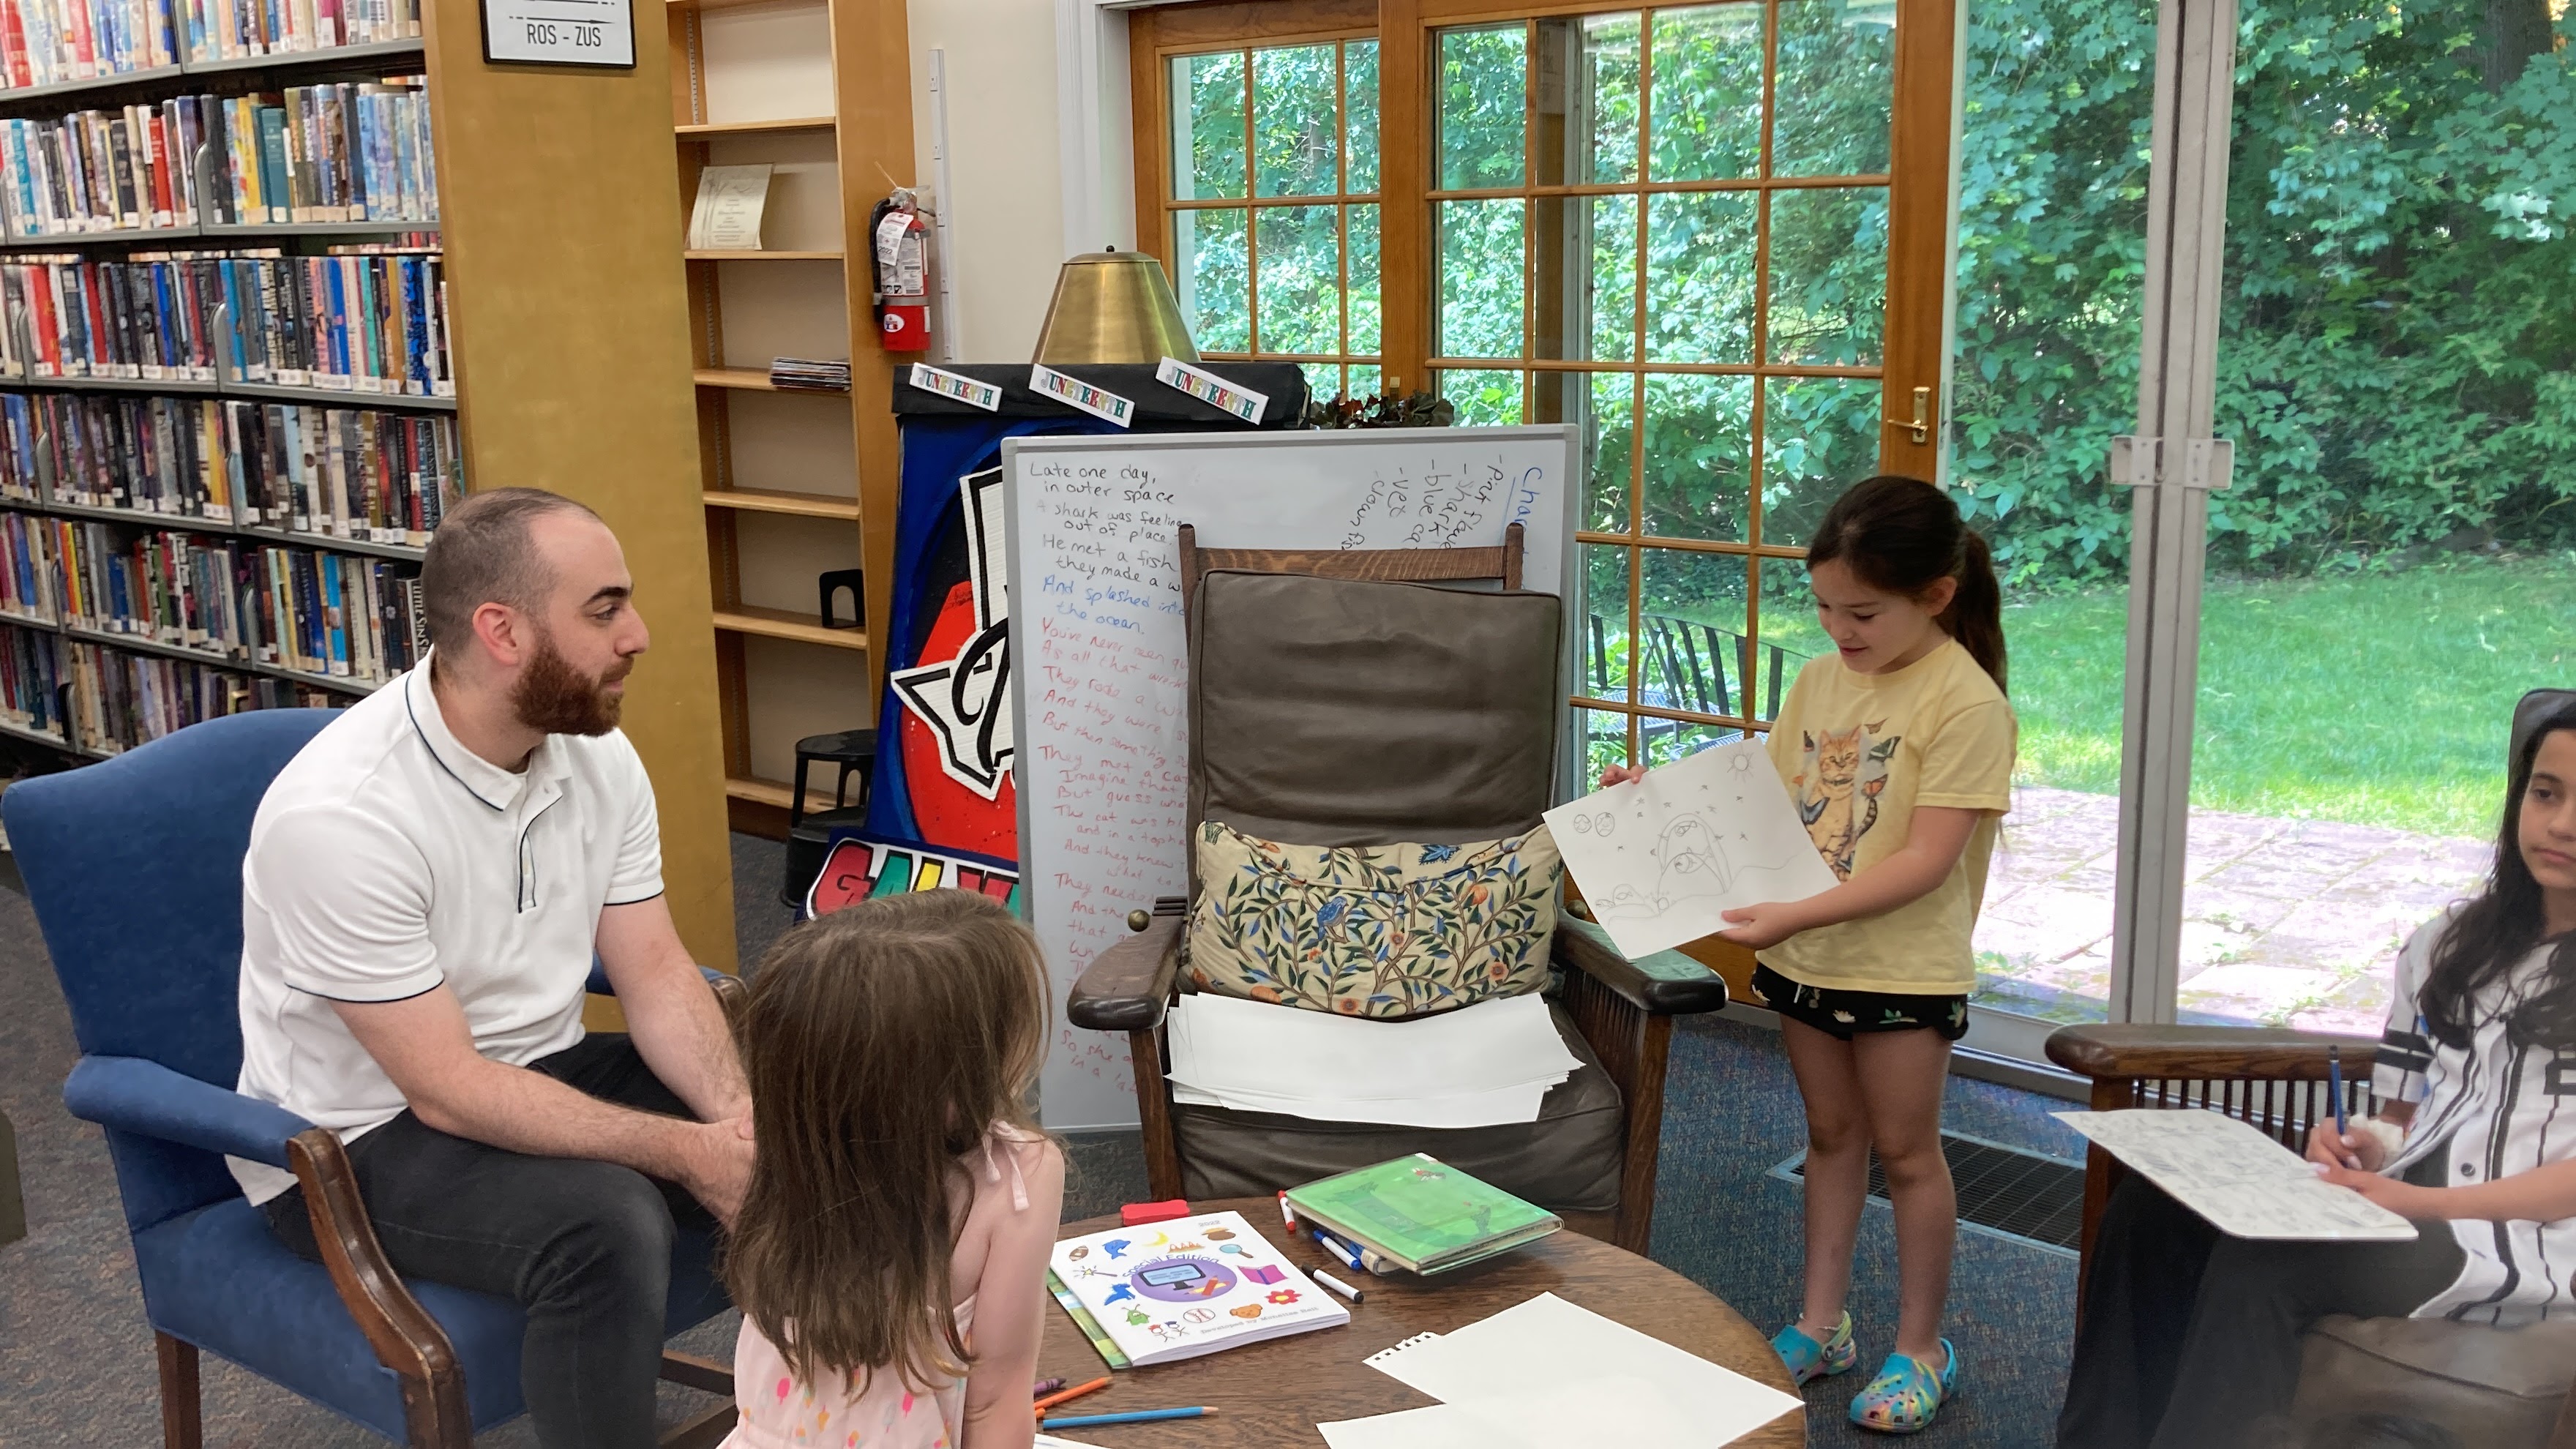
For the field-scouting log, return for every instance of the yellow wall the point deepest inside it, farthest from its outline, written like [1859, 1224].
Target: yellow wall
[572, 356]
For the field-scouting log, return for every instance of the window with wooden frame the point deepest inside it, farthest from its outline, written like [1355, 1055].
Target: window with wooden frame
[1711, 237]
[1257, 180]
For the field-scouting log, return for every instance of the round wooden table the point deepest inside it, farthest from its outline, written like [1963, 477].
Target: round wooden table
[1273, 1394]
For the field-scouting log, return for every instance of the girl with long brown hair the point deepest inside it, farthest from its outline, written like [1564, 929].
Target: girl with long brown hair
[1898, 751]
[890, 1259]
[2191, 1339]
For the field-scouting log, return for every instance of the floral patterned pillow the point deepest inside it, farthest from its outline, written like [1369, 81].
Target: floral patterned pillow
[1380, 930]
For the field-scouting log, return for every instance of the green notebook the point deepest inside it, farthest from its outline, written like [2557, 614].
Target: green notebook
[1420, 1213]
[1083, 1320]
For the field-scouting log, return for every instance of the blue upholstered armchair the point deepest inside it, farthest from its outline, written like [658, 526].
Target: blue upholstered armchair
[134, 867]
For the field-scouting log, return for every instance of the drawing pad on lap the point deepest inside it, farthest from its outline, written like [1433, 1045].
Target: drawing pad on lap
[2245, 1183]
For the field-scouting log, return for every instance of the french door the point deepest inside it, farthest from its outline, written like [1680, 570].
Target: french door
[1746, 247]
[1711, 237]
[2350, 535]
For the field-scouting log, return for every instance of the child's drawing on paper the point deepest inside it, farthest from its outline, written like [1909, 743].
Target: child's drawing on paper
[1659, 859]
[1693, 858]
[1838, 781]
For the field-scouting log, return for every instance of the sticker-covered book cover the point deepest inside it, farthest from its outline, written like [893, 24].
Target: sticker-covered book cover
[1178, 1289]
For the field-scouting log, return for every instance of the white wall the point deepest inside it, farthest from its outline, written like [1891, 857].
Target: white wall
[1007, 216]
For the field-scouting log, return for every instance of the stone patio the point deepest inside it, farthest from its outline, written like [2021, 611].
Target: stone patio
[2286, 922]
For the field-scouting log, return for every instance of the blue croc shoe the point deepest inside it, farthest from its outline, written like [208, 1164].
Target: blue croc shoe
[1907, 1396]
[1808, 1359]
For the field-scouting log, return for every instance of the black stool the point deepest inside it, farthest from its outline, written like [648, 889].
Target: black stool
[809, 837]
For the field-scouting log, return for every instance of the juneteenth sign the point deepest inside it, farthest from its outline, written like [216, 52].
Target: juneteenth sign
[859, 870]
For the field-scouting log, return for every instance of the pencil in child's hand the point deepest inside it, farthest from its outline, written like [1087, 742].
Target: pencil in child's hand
[2343, 1122]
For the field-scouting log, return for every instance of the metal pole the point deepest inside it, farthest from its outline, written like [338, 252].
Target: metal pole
[2172, 462]
[944, 207]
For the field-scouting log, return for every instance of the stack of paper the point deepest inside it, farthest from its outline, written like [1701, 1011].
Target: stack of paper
[810, 374]
[1478, 1066]
[1549, 1373]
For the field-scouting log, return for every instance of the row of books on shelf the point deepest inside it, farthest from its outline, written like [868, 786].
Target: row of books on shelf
[363, 319]
[238, 600]
[50, 42]
[351, 473]
[326, 153]
[120, 701]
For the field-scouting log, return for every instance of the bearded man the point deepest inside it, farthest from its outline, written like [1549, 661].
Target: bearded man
[425, 887]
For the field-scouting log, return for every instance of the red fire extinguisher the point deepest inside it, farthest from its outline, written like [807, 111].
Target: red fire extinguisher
[899, 263]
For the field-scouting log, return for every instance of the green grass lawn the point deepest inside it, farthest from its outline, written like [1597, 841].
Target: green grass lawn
[2379, 699]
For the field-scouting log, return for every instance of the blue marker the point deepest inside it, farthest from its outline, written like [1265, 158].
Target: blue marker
[1341, 1250]
[2334, 1085]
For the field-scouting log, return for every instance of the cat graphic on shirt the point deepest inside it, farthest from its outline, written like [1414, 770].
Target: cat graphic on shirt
[1839, 778]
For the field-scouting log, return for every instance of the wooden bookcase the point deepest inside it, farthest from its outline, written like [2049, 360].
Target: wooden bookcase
[793, 483]
[569, 341]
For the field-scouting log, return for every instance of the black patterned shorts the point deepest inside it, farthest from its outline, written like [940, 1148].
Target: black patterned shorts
[1841, 1014]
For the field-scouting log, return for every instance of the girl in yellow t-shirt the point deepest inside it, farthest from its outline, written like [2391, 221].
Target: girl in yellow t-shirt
[1898, 752]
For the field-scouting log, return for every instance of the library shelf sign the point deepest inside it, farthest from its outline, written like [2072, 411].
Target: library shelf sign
[597, 33]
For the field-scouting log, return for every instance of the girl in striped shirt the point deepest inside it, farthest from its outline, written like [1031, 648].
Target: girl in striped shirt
[2189, 1337]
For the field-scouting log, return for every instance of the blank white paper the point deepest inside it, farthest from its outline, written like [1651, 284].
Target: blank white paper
[1224, 1045]
[1552, 1372]
[1659, 859]
[1437, 1427]
[2246, 1184]
[1477, 1109]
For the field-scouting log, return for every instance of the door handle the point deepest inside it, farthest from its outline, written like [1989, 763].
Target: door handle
[1918, 427]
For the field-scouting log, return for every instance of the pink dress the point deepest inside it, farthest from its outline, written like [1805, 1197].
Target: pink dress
[885, 1413]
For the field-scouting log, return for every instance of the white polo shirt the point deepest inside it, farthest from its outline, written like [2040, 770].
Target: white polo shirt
[387, 860]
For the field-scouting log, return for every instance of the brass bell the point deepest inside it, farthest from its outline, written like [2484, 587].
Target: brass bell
[1113, 306]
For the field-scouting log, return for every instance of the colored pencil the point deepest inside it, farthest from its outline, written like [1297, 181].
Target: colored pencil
[1077, 1391]
[1143, 1416]
[1044, 1387]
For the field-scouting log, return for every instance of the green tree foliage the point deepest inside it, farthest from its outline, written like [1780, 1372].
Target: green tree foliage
[1297, 148]
[2398, 356]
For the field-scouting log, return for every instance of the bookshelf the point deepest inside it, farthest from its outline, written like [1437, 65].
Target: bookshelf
[559, 300]
[793, 483]
[126, 443]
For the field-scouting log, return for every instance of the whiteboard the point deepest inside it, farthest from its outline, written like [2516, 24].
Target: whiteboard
[1100, 655]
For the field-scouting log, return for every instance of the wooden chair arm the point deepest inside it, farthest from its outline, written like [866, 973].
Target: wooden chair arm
[406, 1339]
[1677, 986]
[1127, 986]
[2205, 1053]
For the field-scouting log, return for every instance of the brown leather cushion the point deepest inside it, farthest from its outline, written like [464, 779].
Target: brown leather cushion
[1566, 1161]
[2496, 1388]
[1356, 712]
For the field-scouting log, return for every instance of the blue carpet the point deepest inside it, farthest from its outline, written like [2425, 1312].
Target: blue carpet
[1731, 1113]
[76, 1360]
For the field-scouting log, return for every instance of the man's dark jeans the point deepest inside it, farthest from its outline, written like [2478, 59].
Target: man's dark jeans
[584, 1246]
